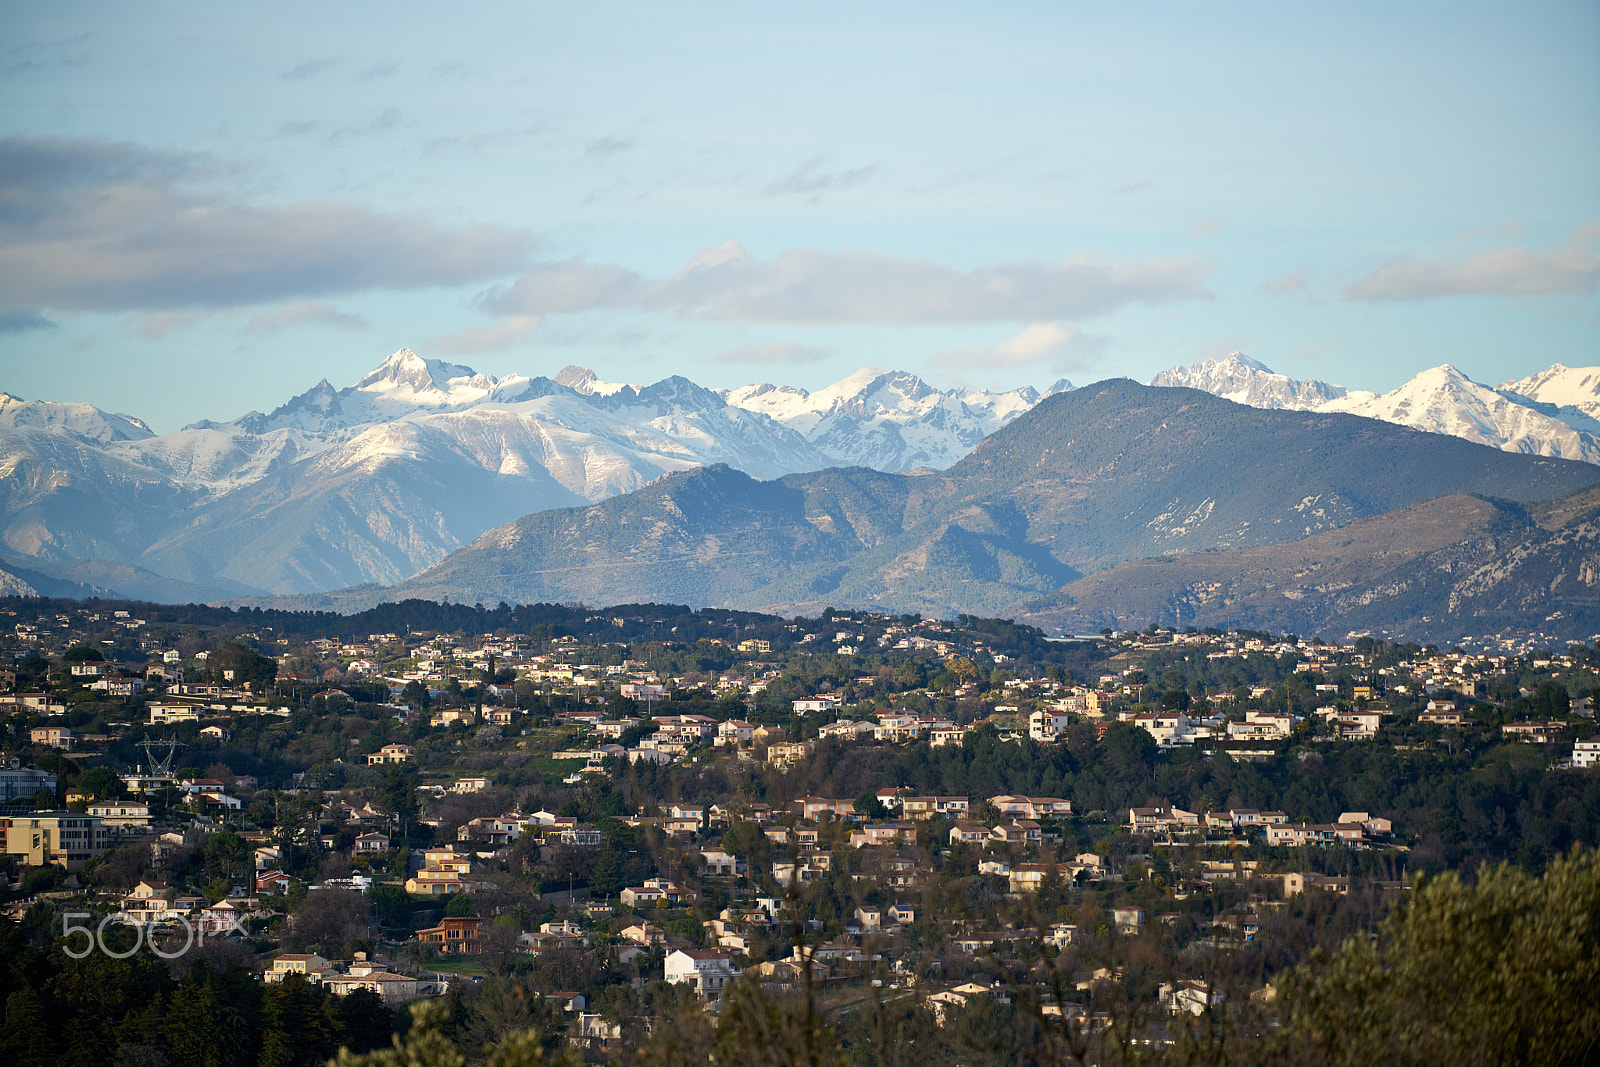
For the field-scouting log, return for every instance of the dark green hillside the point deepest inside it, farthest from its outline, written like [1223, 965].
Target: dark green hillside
[1089, 479]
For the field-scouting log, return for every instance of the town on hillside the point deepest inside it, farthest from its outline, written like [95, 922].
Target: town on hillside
[614, 815]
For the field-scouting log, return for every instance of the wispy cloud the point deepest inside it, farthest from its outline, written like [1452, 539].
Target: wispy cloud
[775, 352]
[156, 326]
[383, 122]
[298, 313]
[1211, 224]
[309, 68]
[1051, 345]
[606, 147]
[814, 287]
[491, 338]
[811, 179]
[1570, 268]
[41, 55]
[96, 226]
[1296, 281]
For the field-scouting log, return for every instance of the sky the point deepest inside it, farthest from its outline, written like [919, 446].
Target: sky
[206, 208]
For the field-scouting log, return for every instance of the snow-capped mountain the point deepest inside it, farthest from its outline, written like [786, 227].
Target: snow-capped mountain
[889, 420]
[1439, 400]
[371, 482]
[403, 385]
[82, 421]
[1571, 394]
[1243, 380]
[1443, 400]
[1563, 386]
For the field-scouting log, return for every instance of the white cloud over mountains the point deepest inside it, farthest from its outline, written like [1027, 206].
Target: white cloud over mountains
[1044, 344]
[818, 287]
[298, 313]
[1567, 269]
[495, 337]
[100, 226]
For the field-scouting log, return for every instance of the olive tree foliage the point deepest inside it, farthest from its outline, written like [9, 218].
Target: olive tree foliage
[426, 1045]
[1498, 971]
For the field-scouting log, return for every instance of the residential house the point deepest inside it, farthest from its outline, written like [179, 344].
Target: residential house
[1045, 726]
[272, 882]
[127, 814]
[372, 842]
[394, 989]
[718, 862]
[454, 936]
[309, 965]
[874, 834]
[1539, 733]
[1188, 997]
[167, 714]
[814, 808]
[736, 732]
[707, 970]
[1128, 920]
[54, 736]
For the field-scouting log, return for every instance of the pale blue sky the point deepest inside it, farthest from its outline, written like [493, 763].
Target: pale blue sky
[205, 208]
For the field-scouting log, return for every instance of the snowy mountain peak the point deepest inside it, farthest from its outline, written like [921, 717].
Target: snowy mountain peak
[1243, 380]
[1567, 388]
[583, 380]
[888, 420]
[407, 372]
[1444, 400]
[578, 379]
[84, 421]
[1242, 360]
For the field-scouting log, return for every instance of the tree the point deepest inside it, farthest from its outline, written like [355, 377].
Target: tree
[426, 1045]
[1500, 971]
[101, 783]
[390, 904]
[869, 805]
[242, 664]
[329, 919]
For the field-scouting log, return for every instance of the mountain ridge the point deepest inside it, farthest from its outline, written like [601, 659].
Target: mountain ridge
[378, 480]
[1088, 479]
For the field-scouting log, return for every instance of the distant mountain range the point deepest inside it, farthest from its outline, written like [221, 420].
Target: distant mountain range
[784, 498]
[1088, 479]
[1553, 413]
[375, 481]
